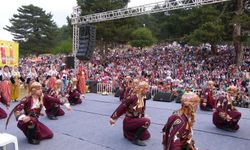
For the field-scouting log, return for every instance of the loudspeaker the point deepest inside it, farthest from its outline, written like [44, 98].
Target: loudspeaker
[117, 92]
[87, 40]
[70, 62]
[164, 97]
[92, 86]
[148, 96]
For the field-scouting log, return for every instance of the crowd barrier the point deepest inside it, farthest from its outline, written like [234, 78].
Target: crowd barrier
[104, 88]
[108, 89]
[154, 90]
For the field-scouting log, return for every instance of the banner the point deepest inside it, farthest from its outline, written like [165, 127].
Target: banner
[9, 53]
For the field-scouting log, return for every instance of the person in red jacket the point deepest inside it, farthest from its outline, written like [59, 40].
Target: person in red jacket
[178, 131]
[135, 124]
[226, 116]
[5, 82]
[207, 100]
[27, 113]
[74, 95]
[127, 88]
[82, 77]
[52, 101]
[3, 114]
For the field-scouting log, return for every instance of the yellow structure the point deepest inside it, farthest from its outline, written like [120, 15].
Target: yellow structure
[9, 53]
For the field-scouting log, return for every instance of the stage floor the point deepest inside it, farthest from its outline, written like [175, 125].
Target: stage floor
[87, 128]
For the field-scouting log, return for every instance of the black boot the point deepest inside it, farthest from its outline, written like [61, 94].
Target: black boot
[209, 109]
[138, 135]
[73, 103]
[31, 135]
[228, 128]
[52, 115]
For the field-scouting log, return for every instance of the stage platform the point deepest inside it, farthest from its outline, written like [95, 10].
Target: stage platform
[87, 128]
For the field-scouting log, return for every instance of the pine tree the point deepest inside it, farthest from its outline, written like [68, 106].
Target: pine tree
[33, 28]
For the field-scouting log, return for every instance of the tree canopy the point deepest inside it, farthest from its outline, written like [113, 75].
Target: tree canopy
[227, 22]
[33, 28]
[142, 37]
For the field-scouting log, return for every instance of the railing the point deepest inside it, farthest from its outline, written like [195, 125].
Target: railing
[104, 88]
[154, 90]
[107, 89]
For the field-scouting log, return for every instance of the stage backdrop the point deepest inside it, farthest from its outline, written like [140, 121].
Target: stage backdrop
[9, 53]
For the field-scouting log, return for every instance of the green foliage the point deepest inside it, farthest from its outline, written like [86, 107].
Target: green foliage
[37, 33]
[96, 6]
[63, 33]
[115, 31]
[248, 41]
[64, 46]
[63, 40]
[210, 32]
[142, 37]
[34, 29]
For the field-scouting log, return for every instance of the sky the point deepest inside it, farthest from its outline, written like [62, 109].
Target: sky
[60, 9]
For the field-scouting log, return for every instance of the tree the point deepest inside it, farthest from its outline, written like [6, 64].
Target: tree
[209, 32]
[236, 19]
[241, 22]
[108, 30]
[63, 40]
[64, 46]
[142, 37]
[33, 28]
[171, 26]
[112, 32]
[217, 23]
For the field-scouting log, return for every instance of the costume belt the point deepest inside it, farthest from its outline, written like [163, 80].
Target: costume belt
[133, 115]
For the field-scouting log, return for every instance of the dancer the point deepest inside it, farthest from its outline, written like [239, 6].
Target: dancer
[178, 131]
[135, 124]
[207, 100]
[226, 116]
[52, 101]
[27, 113]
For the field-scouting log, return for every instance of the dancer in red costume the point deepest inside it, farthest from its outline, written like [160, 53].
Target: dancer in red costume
[5, 86]
[52, 101]
[226, 116]
[207, 99]
[178, 131]
[81, 78]
[3, 114]
[73, 93]
[135, 124]
[27, 114]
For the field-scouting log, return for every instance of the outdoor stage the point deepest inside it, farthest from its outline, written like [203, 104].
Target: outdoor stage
[87, 128]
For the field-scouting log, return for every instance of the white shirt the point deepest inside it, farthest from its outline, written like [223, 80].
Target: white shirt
[52, 73]
[32, 75]
[6, 75]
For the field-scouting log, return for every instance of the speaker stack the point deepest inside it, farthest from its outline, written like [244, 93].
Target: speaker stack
[87, 40]
[69, 61]
[163, 97]
[92, 86]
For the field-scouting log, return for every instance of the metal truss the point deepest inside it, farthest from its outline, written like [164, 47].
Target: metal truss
[163, 6]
